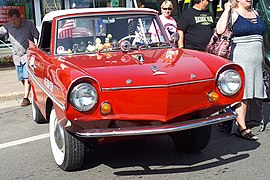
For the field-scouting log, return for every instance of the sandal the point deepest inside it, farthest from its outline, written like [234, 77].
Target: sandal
[247, 135]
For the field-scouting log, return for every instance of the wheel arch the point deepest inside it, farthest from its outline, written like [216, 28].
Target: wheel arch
[49, 105]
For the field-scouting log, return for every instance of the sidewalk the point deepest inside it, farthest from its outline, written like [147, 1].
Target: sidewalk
[11, 89]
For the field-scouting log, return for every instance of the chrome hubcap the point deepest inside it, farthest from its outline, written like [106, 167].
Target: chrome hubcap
[59, 135]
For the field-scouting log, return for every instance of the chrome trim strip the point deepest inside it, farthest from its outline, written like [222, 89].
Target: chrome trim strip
[156, 86]
[221, 68]
[167, 128]
[56, 101]
[83, 77]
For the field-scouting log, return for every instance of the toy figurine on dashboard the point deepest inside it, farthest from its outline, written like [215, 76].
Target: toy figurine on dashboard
[99, 46]
[107, 44]
[90, 47]
[75, 48]
[82, 47]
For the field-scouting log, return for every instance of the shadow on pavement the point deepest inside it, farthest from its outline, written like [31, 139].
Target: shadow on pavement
[158, 155]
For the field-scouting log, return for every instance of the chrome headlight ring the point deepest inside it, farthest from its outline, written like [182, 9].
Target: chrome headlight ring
[229, 82]
[83, 97]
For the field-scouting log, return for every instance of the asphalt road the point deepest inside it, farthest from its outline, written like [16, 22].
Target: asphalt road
[25, 154]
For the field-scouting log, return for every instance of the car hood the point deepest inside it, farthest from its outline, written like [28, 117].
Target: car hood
[142, 68]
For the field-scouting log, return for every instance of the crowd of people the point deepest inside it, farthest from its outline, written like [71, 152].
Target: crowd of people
[195, 27]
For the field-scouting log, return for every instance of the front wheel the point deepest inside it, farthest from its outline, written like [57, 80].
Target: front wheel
[192, 140]
[68, 151]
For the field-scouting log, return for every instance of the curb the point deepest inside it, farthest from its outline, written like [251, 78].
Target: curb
[12, 90]
[11, 96]
[11, 99]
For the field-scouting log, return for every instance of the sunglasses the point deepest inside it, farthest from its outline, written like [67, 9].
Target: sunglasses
[167, 8]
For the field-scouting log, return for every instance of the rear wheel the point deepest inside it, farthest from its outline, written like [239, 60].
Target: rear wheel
[68, 151]
[192, 140]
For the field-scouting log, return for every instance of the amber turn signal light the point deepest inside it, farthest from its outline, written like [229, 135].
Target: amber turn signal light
[213, 96]
[106, 108]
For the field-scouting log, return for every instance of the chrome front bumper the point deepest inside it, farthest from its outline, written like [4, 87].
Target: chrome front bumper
[147, 130]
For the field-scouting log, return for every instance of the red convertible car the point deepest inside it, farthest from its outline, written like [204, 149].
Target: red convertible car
[97, 76]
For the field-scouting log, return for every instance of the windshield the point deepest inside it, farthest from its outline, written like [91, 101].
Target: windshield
[105, 32]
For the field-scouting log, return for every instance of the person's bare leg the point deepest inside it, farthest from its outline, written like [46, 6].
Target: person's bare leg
[241, 111]
[27, 88]
[241, 119]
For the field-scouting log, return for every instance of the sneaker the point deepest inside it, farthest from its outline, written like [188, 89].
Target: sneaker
[25, 102]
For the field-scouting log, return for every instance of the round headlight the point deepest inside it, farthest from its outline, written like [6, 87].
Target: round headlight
[83, 97]
[229, 82]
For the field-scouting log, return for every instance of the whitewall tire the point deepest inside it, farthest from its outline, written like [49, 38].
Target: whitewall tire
[67, 150]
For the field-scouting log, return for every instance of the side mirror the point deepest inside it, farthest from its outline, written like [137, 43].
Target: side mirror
[175, 38]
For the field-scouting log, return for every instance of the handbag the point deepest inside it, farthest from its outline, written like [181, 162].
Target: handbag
[220, 44]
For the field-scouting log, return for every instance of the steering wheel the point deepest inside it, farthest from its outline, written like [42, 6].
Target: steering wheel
[127, 37]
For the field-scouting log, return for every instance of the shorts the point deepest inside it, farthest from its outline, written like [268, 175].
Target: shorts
[22, 72]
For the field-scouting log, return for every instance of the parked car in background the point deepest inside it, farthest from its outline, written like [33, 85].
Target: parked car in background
[97, 76]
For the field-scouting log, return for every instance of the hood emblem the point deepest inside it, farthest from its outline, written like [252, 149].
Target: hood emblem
[128, 81]
[139, 58]
[156, 71]
[192, 76]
